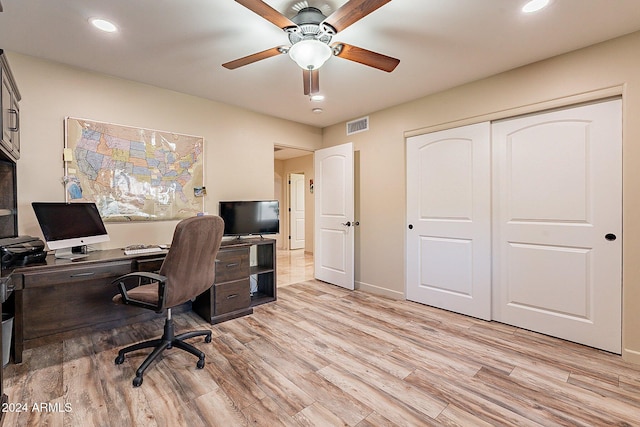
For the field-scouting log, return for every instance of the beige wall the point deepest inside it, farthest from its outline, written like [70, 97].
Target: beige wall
[303, 165]
[238, 143]
[602, 70]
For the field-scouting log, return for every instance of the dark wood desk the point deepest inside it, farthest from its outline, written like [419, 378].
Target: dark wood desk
[61, 299]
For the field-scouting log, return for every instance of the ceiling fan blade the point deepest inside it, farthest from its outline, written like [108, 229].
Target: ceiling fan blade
[250, 59]
[311, 80]
[366, 57]
[267, 12]
[352, 11]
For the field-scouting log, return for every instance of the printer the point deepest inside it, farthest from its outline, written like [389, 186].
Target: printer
[21, 250]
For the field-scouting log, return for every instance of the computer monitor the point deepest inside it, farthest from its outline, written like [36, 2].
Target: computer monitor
[69, 227]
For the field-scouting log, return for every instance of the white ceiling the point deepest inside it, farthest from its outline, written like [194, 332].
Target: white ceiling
[181, 44]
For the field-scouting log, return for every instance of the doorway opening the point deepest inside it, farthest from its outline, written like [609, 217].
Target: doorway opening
[293, 188]
[296, 211]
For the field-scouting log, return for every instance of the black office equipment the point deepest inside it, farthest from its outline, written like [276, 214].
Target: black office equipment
[21, 250]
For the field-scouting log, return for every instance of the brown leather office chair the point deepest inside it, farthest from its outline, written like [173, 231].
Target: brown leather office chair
[187, 271]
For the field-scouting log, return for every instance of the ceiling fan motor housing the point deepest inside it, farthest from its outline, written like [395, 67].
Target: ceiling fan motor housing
[310, 25]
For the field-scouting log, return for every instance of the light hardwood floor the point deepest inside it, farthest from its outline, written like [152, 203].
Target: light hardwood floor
[293, 267]
[324, 356]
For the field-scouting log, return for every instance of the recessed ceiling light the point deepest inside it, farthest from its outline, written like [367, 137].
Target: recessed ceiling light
[317, 110]
[103, 25]
[316, 98]
[535, 5]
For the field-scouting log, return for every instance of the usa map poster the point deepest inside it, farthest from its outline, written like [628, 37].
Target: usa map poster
[133, 174]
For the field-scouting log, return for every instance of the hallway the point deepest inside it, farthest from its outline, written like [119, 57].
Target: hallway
[293, 266]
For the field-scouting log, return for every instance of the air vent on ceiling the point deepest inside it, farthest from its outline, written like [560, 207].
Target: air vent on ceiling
[358, 125]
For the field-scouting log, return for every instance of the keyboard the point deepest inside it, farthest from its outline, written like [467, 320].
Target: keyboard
[142, 249]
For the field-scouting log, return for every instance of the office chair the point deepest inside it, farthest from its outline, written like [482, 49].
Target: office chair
[187, 271]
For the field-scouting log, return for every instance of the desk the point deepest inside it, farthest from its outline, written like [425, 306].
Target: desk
[61, 299]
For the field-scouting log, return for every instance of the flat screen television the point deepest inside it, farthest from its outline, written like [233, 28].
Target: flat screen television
[246, 218]
[69, 227]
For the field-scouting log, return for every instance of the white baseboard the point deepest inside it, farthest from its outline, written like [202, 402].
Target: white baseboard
[380, 291]
[631, 356]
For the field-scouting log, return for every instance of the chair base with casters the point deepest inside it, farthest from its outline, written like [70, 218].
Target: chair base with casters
[168, 340]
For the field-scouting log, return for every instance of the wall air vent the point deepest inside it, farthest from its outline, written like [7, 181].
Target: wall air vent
[358, 125]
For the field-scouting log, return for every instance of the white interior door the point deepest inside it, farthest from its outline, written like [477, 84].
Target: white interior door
[296, 211]
[449, 220]
[558, 223]
[334, 211]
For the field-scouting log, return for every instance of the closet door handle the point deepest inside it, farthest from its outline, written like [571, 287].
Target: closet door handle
[610, 237]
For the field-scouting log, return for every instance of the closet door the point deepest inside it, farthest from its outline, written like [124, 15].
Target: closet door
[448, 220]
[558, 223]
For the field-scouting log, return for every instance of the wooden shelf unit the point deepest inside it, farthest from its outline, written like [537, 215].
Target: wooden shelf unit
[231, 296]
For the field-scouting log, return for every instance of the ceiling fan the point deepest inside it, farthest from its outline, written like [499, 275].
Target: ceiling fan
[310, 33]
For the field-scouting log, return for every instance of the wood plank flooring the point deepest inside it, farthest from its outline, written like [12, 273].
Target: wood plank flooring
[293, 266]
[324, 356]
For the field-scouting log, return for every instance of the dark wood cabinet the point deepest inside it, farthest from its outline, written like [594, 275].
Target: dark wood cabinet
[63, 299]
[8, 199]
[263, 272]
[10, 117]
[9, 154]
[9, 149]
[60, 299]
[240, 284]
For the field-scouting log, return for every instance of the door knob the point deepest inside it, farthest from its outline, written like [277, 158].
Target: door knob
[410, 226]
[347, 224]
[610, 237]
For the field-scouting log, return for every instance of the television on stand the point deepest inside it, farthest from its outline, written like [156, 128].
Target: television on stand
[250, 218]
[69, 227]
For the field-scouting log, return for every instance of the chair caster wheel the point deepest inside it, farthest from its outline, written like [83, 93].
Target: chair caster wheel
[207, 338]
[137, 381]
[119, 360]
[200, 364]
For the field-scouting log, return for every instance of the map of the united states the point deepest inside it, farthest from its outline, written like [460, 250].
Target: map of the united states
[134, 174]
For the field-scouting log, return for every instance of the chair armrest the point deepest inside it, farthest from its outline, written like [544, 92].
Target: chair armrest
[132, 280]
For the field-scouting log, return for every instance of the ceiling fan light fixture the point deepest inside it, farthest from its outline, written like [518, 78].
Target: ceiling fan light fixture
[310, 54]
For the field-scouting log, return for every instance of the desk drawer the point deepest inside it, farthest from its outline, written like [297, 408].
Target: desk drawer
[75, 274]
[232, 264]
[231, 296]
